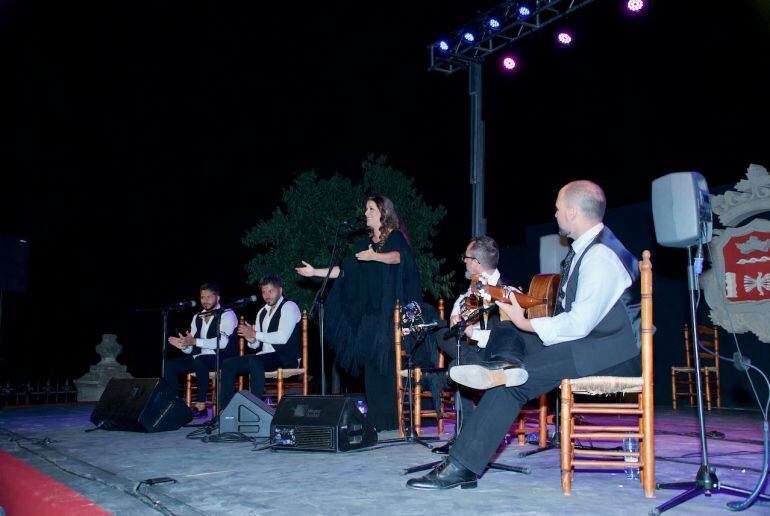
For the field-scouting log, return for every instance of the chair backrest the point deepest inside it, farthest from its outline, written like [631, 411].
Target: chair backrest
[708, 337]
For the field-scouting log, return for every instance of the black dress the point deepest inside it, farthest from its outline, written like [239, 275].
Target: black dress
[359, 321]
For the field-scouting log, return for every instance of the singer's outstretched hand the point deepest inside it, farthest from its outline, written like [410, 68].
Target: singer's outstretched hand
[307, 270]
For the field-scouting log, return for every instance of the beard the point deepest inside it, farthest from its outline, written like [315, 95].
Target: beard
[468, 275]
[563, 232]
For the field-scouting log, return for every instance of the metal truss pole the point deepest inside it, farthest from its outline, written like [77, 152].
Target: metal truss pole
[476, 92]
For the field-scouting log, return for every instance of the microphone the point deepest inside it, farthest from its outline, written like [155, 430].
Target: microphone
[245, 300]
[430, 326]
[182, 305]
[353, 220]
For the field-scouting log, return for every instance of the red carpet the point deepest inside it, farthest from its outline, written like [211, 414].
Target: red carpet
[26, 491]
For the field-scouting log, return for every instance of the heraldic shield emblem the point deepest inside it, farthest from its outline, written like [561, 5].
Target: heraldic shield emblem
[747, 267]
[737, 287]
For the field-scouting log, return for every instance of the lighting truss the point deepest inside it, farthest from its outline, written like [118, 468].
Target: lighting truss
[460, 54]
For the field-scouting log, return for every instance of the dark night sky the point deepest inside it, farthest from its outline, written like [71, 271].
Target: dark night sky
[140, 140]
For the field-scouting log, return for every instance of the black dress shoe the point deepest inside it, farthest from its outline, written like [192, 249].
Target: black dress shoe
[444, 448]
[490, 373]
[446, 475]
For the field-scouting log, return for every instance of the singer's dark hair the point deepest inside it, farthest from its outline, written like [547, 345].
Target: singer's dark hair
[211, 287]
[271, 279]
[388, 217]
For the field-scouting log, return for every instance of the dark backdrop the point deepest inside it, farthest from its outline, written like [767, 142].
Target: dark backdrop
[140, 140]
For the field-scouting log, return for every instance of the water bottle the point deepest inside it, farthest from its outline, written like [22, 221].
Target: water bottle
[631, 444]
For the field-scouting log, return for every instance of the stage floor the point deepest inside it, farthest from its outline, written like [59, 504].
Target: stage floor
[218, 478]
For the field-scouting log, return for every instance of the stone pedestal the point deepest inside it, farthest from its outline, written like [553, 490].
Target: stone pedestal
[92, 384]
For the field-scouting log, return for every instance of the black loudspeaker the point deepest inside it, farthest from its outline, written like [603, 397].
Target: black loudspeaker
[14, 255]
[681, 209]
[320, 423]
[247, 414]
[140, 405]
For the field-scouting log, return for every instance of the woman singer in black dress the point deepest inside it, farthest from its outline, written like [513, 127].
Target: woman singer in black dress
[359, 309]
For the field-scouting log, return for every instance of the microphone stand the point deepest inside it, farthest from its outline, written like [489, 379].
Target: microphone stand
[164, 310]
[412, 437]
[318, 301]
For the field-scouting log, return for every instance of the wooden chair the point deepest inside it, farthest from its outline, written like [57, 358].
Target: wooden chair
[278, 387]
[274, 389]
[606, 385]
[437, 412]
[440, 414]
[709, 338]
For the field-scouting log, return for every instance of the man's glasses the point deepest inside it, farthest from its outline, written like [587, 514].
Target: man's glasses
[464, 257]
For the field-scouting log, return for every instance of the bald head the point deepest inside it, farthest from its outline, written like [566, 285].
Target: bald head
[587, 197]
[579, 206]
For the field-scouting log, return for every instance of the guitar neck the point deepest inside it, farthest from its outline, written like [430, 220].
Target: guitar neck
[501, 293]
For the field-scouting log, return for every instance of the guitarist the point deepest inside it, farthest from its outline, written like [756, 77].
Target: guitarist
[480, 258]
[593, 333]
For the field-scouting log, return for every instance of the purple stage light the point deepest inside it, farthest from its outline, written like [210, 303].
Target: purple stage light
[443, 46]
[635, 5]
[565, 38]
[509, 63]
[468, 37]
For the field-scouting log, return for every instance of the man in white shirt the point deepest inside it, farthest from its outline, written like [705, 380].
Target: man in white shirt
[593, 333]
[275, 337]
[480, 258]
[200, 344]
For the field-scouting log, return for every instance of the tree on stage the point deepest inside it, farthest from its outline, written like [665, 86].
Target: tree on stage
[302, 228]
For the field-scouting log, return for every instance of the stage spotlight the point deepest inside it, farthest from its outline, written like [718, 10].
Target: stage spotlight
[493, 24]
[443, 45]
[565, 38]
[508, 63]
[635, 6]
[468, 37]
[523, 11]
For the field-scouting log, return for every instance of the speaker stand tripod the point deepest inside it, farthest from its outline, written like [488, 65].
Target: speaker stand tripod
[706, 481]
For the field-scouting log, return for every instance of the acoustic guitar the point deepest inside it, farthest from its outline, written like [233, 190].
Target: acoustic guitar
[540, 300]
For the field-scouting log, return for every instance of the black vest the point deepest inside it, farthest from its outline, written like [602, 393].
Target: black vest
[616, 338]
[230, 349]
[289, 352]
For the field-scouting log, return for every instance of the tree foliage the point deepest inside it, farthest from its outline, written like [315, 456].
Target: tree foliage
[303, 227]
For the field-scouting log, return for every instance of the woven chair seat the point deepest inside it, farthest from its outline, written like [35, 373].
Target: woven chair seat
[287, 373]
[606, 384]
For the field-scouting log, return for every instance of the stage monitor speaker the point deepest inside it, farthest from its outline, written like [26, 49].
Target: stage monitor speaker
[320, 423]
[681, 209]
[140, 405]
[14, 255]
[247, 414]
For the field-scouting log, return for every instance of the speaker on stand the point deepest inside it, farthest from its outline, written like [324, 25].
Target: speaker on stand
[681, 209]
